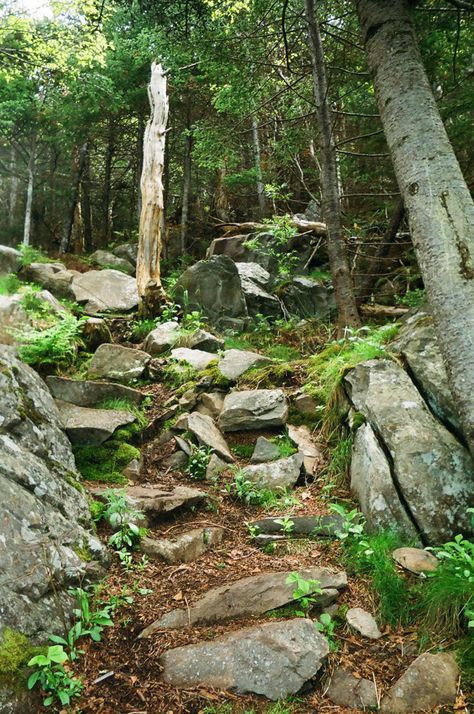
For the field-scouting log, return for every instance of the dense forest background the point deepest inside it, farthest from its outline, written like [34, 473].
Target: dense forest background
[243, 139]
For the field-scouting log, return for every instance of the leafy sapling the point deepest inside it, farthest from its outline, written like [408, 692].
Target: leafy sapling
[304, 592]
[286, 523]
[53, 678]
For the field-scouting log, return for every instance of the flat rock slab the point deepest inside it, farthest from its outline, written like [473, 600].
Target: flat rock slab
[316, 526]
[416, 560]
[206, 432]
[109, 260]
[275, 475]
[363, 622]
[303, 439]
[156, 499]
[254, 409]
[184, 548]
[91, 427]
[430, 681]
[198, 359]
[105, 290]
[235, 363]
[250, 596]
[162, 338]
[347, 690]
[264, 450]
[85, 393]
[273, 660]
[202, 340]
[117, 363]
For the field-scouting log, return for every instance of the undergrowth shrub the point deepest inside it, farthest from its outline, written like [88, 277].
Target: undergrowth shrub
[198, 462]
[56, 345]
[9, 284]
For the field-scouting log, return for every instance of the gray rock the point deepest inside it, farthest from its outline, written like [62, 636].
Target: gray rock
[15, 698]
[254, 409]
[104, 291]
[363, 622]
[215, 467]
[127, 251]
[52, 276]
[214, 287]
[433, 471]
[117, 363]
[273, 660]
[305, 297]
[305, 404]
[53, 304]
[212, 403]
[175, 462]
[198, 359]
[254, 280]
[188, 400]
[91, 427]
[230, 246]
[109, 260]
[156, 499]
[12, 317]
[416, 560]
[203, 340]
[185, 548]
[320, 526]
[87, 393]
[95, 332]
[10, 260]
[347, 690]
[162, 338]
[275, 475]
[250, 596]
[418, 345]
[235, 363]
[430, 681]
[313, 457]
[264, 450]
[44, 514]
[132, 470]
[372, 484]
[207, 433]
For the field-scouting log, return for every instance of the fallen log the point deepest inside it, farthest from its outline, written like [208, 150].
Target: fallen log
[383, 311]
[319, 229]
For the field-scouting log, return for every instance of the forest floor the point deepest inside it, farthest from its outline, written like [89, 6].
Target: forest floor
[133, 684]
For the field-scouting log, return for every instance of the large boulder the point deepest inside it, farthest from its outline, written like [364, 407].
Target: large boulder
[234, 363]
[46, 526]
[254, 409]
[117, 363]
[91, 427]
[430, 470]
[428, 683]
[308, 298]
[214, 287]
[418, 345]
[10, 260]
[52, 276]
[87, 393]
[105, 290]
[162, 338]
[274, 660]
[127, 251]
[231, 246]
[109, 260]
[255, 280]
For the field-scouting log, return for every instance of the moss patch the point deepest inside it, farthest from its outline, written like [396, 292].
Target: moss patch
[105, 462]
[15, 651]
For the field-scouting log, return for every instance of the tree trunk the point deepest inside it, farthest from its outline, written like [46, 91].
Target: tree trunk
[221, 201]
[343, 289]
[150, 292]
[29, 190]
[79, 163]
[86, 206]
[106, 212]
[188, 144]
[13, 196]
[262, 204]
[439, 207]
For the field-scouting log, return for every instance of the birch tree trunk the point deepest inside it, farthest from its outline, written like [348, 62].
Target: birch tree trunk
[13, 195]
[150, 292]
[348, 314]
[29, 190]
[262, 204]
[187, 167]
[439, 207]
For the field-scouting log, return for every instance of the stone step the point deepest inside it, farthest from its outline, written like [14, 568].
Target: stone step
[184, 548]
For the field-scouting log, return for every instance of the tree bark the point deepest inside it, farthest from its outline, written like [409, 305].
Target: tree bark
[13, 195]
[79, 163]
[150, 292]
[262, 204]
[106, 209]
[29, 190]
[343, 289]
[439, 207]
[187, 166]
[86, 207]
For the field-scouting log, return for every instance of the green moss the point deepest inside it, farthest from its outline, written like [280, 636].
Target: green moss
[72, 480]
[105, 462]
[15, 651]
[215, 376]
[270, 375]
[83, 551]
[243, 451]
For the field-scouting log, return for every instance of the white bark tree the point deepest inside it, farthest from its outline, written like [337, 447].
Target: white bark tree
[438, 204]
[150, 291]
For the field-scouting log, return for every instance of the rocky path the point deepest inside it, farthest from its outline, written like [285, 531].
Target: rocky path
[214, 622]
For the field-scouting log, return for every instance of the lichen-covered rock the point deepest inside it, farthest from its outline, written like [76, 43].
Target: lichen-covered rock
[430, 681]
[44, 514]
[162, 338]
[90, 427]
[235, 363]
[276, 475]
[431, 471]
[255, 283]
[305, 297]
[105, 290]
[120, 364]
[254, 409]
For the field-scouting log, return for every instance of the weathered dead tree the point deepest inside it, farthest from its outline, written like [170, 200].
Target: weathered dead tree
[150, 291]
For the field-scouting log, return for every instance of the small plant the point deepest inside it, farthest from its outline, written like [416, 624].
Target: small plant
[53, 678]
[353, 522]
[412, 298]
[253, 530]
[285, 446]
[248, 492]
[327, 627]
[198, 462]
[304, 592]
[31, 255]
[141, 329]
[56, 345]
[9, 284]
[287, 524]
[121, 517]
